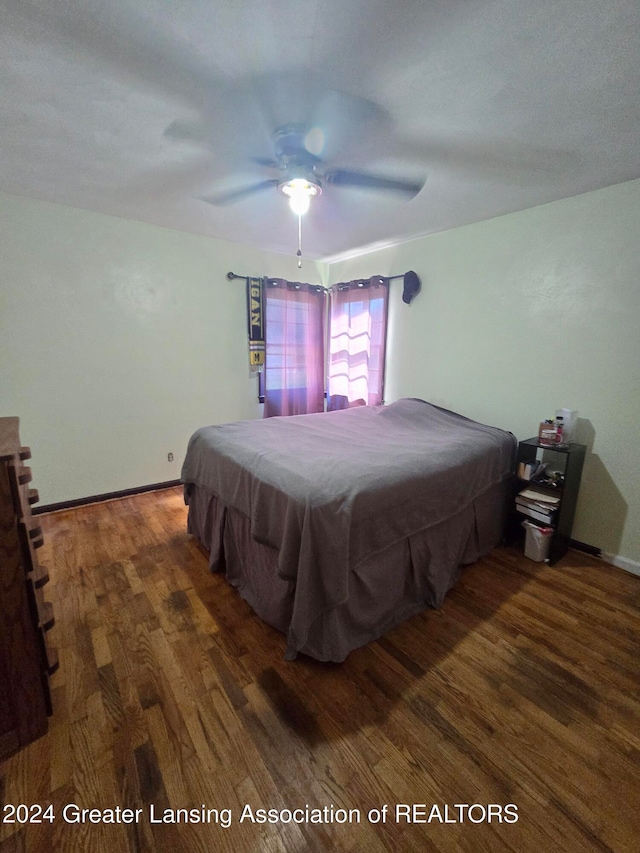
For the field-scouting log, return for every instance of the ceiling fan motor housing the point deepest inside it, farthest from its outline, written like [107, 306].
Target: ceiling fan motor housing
[288, 143]
[292, 156]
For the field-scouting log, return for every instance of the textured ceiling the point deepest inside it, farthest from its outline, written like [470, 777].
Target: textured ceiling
[138, 108]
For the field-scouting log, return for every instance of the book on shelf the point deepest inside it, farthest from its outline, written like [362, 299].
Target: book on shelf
[540, 496]
[531, 469]
[536, 512]
[539, 505]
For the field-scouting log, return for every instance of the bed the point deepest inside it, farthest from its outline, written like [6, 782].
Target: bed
[336, 527]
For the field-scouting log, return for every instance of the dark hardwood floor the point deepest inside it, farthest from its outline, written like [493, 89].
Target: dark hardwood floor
[171, 695]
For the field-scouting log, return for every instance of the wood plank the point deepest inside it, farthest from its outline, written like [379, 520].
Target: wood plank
[523, 688]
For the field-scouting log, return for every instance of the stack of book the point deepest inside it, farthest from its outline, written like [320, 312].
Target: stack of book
[531, 470]
[537, 504]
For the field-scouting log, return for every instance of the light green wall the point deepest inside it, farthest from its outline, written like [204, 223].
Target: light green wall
[118, 340]
[524, 314]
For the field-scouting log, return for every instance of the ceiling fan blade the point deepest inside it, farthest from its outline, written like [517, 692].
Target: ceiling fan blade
[341, 123]
[231, 196]
[183, 131]
[366, 180]
[269, 162]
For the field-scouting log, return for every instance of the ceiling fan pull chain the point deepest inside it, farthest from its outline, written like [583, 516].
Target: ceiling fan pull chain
[299, 252]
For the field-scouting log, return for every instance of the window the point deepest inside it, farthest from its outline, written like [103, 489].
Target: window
[294, 365]
[294, 376]
[357, 339]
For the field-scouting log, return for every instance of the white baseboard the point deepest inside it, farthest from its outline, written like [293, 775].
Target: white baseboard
[623, 563]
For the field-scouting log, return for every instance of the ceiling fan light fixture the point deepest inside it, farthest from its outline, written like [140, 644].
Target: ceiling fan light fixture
[299, 191]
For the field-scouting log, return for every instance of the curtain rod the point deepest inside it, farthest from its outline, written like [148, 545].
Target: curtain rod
[363, 281]
[231, 276]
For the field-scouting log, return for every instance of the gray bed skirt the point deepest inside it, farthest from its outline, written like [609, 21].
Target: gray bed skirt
[384, 589]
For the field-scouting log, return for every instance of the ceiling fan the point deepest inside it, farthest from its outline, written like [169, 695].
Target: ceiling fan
[303, 172]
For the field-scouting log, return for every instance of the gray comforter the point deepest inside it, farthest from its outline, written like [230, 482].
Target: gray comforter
[329, 490]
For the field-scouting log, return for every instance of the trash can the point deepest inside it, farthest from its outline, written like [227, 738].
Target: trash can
[537, 541]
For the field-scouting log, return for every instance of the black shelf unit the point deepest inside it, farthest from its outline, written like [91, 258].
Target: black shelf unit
[570, 460]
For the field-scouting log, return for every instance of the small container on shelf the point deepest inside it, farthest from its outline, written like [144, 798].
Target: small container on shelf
[549, 434]
[569, 423]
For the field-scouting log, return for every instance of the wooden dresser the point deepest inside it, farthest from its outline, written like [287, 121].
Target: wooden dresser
[26, 657]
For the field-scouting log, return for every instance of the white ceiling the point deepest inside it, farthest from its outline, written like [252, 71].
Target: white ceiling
[500, 104]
